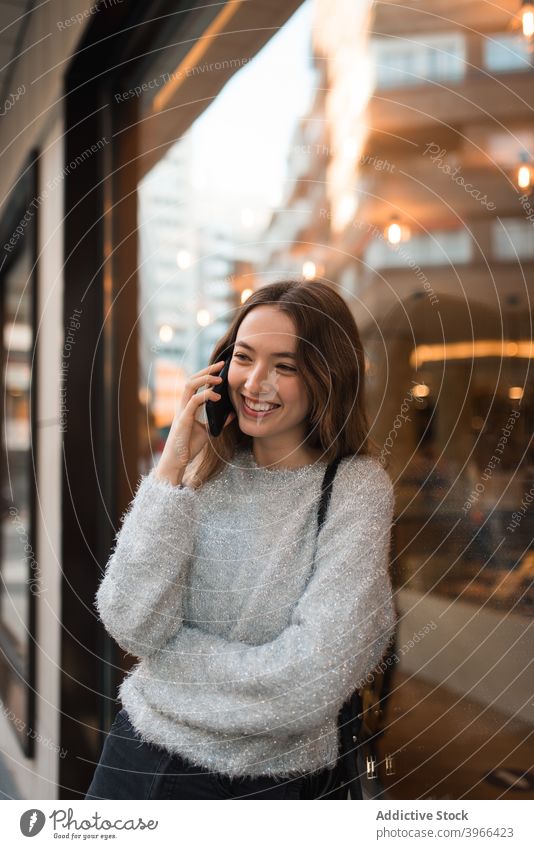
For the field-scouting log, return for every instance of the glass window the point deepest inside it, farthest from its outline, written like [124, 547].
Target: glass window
[513, 239]
[506, 53]
[439, 248]
[17, 553]
[417, 60]
[221, 183]
[21, 579]
[282, 159]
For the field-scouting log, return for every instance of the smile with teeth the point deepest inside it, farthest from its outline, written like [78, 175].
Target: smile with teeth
[256, 407]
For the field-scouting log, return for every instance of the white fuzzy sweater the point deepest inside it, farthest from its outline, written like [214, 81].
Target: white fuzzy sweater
[242, 667]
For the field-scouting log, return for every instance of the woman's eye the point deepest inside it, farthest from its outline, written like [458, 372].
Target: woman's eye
[280, 365]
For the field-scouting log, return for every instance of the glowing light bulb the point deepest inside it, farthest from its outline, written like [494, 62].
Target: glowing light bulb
[203, 318]
[245, 295]
[166, 333]
[394, 233]
[420, 390]
[527, 20]
[524, 177]
[309, 270]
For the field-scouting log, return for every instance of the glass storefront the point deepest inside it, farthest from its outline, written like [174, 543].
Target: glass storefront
[22, 579]
[18, 560]
[382, 151]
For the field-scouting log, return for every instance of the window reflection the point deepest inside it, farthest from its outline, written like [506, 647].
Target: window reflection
[204, 210]
[294, 164]
[414, 62]
[16, 553]
[505, 52]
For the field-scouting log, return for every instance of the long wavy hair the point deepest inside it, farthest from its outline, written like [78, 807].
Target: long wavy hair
[332, 368]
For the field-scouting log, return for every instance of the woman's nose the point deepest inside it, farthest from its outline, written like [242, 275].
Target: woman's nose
[259, 380]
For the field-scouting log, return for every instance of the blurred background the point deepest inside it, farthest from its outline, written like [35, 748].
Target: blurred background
[162, 161]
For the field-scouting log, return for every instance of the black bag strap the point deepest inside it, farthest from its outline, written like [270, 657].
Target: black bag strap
[351, 713]
[326, 491]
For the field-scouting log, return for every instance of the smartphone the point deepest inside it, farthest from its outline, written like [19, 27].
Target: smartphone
[217, 411]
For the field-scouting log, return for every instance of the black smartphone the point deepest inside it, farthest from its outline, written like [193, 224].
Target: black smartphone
[217, 411]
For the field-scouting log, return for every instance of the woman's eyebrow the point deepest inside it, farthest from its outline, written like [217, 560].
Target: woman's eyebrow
[275, 354]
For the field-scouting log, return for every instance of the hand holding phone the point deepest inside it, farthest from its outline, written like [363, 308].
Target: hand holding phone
[188, 435]
[217, 411]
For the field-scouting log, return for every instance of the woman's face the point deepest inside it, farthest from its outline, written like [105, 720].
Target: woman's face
[262, 370]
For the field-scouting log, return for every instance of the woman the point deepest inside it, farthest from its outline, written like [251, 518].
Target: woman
[244, 664]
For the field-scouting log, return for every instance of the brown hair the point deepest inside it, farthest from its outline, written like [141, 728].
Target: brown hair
[332, 368]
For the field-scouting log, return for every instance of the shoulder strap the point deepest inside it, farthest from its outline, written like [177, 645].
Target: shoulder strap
[326, 491]
[350, 716]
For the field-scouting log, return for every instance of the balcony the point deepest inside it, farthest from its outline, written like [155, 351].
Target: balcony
[479, 96]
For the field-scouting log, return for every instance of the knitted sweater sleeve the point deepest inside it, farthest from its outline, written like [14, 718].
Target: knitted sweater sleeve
[139, 599]
[338, 632]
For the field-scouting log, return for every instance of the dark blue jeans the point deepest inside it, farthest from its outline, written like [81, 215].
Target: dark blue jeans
[132, 769]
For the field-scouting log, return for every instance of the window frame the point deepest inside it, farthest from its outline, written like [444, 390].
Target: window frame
[18, 678]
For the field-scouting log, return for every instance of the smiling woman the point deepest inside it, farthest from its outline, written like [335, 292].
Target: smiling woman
[320, 393]
[240, 585]
[269, 393]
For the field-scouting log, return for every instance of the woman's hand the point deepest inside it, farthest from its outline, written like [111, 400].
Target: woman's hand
[187, 435]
